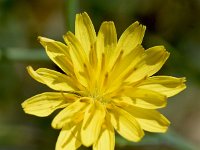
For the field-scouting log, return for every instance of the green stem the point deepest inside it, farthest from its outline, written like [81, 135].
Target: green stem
[170, 139]
[71, 9]
[19, 54]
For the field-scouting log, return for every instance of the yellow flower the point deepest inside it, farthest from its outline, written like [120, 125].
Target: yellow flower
[107, 86]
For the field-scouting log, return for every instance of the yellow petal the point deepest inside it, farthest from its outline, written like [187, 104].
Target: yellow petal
[92, 122]
[125, 124]
[149, 120]
[105, 45]
[107, 41]
[129, 61]
[93, 58]
[84, 31]
[58, 53]
[53, 79]
[122, 68]
[44, 104]
[146, 98]
[155, 58]
[165, 85]
[69, 114]
[106, 140]
[68, 138]
[79, 58]
[131, 37]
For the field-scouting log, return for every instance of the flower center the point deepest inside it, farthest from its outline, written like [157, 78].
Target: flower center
[96, 95]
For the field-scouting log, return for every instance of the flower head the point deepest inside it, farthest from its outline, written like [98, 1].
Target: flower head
[107, 86]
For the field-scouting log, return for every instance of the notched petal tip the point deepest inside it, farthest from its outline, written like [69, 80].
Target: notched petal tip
[107, 23]
[140, 25]
[40, 38]
[182, 83]
[24, 105]
[56, 126]
[67, 35]
[29, 68]
[144, 27]
[44, 40]
[140, 137]
[136, 23]
[167, 53]
[27, 110]
[156, 55]
[165, 125]
[33, 74]
[164, 130]
[82, 13]
[183, 79]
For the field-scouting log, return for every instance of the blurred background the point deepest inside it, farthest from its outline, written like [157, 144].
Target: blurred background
[172, 23]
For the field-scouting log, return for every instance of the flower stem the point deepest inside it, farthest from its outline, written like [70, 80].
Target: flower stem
[20, 54]
[71, 9]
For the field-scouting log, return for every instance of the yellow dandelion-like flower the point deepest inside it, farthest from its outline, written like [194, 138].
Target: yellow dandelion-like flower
[107, 86]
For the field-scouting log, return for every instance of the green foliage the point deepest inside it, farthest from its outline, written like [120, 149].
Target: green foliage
[175, 24]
